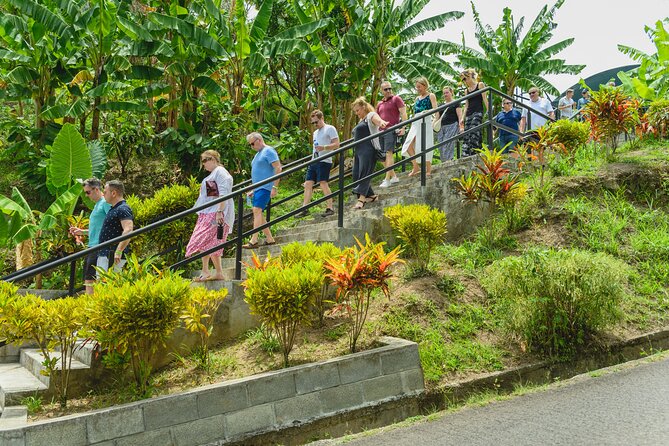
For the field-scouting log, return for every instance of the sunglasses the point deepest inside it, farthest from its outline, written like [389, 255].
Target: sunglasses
[314, 122]
[387, 89]
[506, 103]
[88, 192]
[204, 160]
[533, 93]
[253, 142]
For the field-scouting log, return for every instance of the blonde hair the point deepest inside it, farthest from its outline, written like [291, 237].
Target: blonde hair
[211, 154]
[317, 113]
[362, 102]
[470, 72]
[423, 81]
[449, 88]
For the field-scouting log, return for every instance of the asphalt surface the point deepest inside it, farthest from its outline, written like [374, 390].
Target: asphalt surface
[628, 406]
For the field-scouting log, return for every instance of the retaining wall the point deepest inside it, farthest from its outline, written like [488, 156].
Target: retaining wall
[233, 411]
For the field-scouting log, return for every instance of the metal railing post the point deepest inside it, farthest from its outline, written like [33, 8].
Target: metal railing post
[340, 195]
[240, 240]
[423, 167]
[268, 213]
[73, 278]
[490, 118]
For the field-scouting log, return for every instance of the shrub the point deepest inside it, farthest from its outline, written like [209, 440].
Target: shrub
[420, 228]
[610, 113]
[137, 317]
[571, 134]
[658, 116]
[553, 299]
[282, 296]
[165, 202]
[198, 317]
[356, 274]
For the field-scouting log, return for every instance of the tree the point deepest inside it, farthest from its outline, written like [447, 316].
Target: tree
[508, 61]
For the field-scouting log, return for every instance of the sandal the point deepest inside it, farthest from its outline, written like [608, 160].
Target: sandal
[360, 203]
[202, 278]
[250, 245]
[371, 199]
[213, 278]
[273, 242]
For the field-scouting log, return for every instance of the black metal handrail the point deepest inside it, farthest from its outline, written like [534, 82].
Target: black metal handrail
[239, 192]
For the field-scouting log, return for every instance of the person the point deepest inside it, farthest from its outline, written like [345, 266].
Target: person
[265, 164]
[206, 232]
[567, 105]
[424, 101]
[582, 102]
[93, 190]
[392, 110]
[450, 124]
[539, 104]
[118, 221]
[364, 156]
[473, 112]
[326, 139]
[509, 117]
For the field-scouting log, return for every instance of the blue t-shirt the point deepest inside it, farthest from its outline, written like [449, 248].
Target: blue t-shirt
[261, 166]
[509, 119]
[112, 228]
[95, 221]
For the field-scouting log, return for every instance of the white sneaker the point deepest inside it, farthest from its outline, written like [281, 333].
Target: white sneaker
[394, 180]
[384, 183]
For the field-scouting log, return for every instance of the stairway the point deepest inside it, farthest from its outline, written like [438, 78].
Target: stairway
[25, 378]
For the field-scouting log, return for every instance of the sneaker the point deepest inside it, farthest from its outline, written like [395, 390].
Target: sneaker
[394, 180]
[385, 183]
[327, 212]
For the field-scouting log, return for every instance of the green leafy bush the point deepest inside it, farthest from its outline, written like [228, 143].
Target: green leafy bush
[281, 295]
[552, 300]
[165, 202]
[420, 229]
[137, 317]
[198, 317]
[572, 134]
[658, 116]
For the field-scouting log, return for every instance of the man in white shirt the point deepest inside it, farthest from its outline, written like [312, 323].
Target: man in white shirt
[567, 105]
[539, 104]
[326, 140]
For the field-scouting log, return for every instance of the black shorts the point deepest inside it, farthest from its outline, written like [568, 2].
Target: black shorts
[89, 266]
[319, 172]
[388, 142]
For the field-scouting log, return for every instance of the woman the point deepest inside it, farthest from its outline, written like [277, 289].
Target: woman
[218, 183]
[450, 124]
[364, 158]
[473, 111]
[424, 101]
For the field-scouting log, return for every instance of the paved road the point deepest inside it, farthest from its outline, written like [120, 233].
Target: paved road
[621, 407]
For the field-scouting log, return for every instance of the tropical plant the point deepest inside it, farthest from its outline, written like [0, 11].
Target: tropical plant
[571, 134]
[508, 60]
[198, 317]
[357, 273]
[540, 151]
[651, 80]
[658, 116]
[611, 113]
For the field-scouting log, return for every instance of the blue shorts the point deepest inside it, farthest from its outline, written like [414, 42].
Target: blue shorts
[261, 198]
[319, 172]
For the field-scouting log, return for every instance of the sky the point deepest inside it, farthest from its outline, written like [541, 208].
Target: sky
[597, 26]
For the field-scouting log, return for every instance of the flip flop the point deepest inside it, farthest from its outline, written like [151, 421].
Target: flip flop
[250, 245]
[213, 278]
[202, 278]
[371, 199]
[269, 243]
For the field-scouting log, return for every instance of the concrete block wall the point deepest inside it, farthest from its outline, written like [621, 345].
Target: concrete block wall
[235, 410]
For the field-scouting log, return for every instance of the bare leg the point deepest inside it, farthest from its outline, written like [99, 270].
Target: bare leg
[428, 168]
[216, 260]
[205, 266]
[325, 187]
[89, 286]
[414, 164]
[259, 220]
[389, 162]
[308, 191]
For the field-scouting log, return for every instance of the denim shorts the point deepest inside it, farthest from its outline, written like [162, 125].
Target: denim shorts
[319, 172]
[261, 198]
[388, 142]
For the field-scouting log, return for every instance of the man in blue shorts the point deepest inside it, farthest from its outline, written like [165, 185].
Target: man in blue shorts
[93, 190]
[117, 222]
[326, 139]
[265, 164]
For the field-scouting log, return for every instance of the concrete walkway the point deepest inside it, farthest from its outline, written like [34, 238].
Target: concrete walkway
[622, 405]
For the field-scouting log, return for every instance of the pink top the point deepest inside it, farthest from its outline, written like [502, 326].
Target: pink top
[389, 110]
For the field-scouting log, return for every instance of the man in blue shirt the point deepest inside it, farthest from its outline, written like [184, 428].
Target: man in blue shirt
[117, 222]
[265, 164]
[93, 190]
[509, 117]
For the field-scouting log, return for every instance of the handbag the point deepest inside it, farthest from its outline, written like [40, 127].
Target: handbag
[212, 188]
[436, 123]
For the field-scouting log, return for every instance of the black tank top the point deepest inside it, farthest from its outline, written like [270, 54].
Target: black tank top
[475, 104]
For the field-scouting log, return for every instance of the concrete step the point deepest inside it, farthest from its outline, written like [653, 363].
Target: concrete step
[16, 383]
[32, 359]
[13, 416]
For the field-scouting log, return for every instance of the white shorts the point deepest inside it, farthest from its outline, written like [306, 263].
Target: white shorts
[103, 263]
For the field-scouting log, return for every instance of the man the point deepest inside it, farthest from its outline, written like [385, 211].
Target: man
[566, 105]
[117, 222]
[509, 117]
[93, 190]
[585, 98]
[265, 164]
[539, 104]
[390, 109]
[326, 139]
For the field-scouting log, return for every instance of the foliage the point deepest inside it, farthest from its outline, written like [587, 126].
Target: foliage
[554, 299]
[281, 296]
[540, 152]
[69, 159]
[357, 273]
[198, 317]
[420, 228]
[508, 61]
[651, 79]
[128, 136]
[610, 113]
[265, 338]
[658, 116]
[570, 133]
[137, 317]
